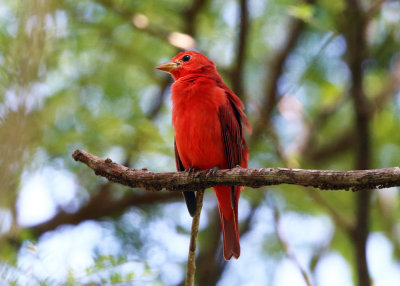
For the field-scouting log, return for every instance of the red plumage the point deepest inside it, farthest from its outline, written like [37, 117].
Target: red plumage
[207, 118]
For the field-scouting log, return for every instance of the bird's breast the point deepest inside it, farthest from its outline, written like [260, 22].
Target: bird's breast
[197, 127]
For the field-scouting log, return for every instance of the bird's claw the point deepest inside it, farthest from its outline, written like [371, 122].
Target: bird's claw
[212, 171]
[191, 170]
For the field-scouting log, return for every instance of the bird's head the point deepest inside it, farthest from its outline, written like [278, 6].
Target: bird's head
[187, 63]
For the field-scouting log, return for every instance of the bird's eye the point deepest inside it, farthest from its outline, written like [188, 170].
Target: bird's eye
[186, 58]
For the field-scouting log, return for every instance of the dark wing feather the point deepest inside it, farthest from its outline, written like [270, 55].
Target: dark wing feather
[190, 197]
[231, 127]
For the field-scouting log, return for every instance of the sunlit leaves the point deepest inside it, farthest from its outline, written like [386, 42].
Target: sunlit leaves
[302, 11]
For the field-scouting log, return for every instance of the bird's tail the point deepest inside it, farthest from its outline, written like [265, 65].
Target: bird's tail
[228, 199]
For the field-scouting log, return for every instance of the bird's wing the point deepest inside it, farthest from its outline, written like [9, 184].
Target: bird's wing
[231, 128]
[190, 197]
[236, 104]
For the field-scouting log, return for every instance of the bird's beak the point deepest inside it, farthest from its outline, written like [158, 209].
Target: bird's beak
[168, 67]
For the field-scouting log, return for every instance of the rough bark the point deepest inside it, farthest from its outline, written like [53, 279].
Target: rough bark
[183, 181]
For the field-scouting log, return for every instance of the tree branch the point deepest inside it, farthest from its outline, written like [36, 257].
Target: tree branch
[286, 246]
[339, 220]
[210, 258]
[276, 70]
[102, 205]
[191, 263]
[346, 141]
[190, 16]
[182, 181]
[237, 74]
[356, 55]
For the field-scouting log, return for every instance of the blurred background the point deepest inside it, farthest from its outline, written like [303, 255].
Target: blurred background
[320, 81]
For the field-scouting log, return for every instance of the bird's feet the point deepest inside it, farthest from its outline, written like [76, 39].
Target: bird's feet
[212, 171]
[191, 170]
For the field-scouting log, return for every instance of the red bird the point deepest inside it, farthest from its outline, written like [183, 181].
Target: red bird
[208, 118]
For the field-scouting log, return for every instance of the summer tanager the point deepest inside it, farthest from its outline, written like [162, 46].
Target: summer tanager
[208, 118]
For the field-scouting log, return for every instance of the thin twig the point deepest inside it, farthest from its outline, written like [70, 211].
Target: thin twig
[210, 258]
[191, 263]
[346, 140]
[276, 70]
[158, 102]
[285, 244]
[335, 215]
